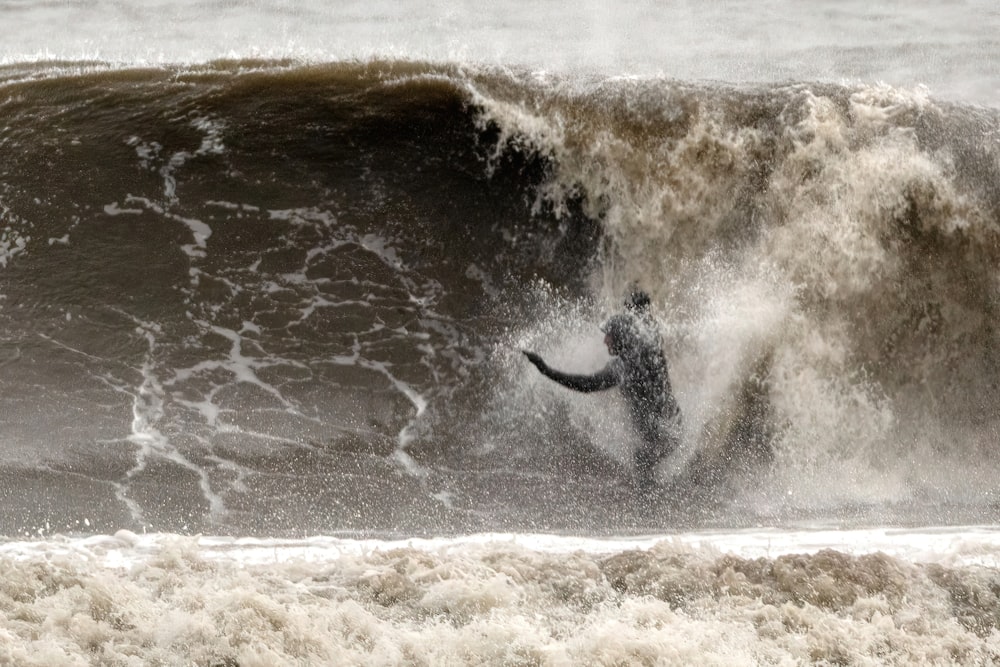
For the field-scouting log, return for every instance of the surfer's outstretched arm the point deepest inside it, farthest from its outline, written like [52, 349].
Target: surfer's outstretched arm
[603, 379]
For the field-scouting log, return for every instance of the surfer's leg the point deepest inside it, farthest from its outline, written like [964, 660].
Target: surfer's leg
[656, 444]
[647, 456]
[645, 481]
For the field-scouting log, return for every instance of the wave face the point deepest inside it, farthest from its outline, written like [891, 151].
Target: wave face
[267, 297]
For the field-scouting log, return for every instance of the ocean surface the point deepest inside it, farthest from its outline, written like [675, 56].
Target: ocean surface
[267, 269]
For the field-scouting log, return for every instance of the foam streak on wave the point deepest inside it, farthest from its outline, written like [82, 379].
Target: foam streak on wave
[147, 411]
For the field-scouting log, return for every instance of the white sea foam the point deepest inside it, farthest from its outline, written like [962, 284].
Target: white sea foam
[749, 597]
[954, 546]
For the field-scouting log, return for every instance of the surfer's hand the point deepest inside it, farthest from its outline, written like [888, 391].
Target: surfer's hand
[535, 359]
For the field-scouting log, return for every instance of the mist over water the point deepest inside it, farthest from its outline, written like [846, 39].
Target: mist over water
[952, 48]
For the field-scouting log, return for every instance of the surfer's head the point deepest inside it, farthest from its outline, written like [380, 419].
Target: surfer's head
[619, 331]
[636, 300]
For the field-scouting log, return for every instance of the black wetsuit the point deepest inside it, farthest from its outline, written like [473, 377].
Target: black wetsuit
[639, 370]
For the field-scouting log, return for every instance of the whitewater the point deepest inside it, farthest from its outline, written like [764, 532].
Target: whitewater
[761, 597]
[266, 269]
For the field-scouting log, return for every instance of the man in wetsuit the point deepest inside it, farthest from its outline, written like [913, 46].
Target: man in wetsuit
[639, 370]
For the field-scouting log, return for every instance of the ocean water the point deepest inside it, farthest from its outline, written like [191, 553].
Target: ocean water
[266, 270]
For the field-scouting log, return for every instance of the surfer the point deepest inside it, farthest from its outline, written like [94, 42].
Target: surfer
[639, 370]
